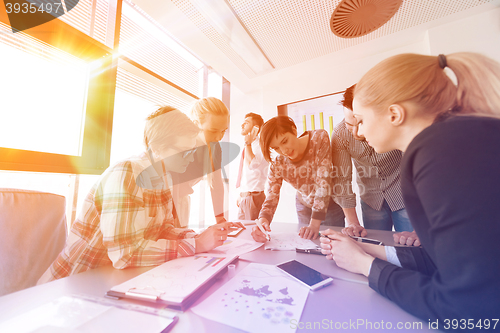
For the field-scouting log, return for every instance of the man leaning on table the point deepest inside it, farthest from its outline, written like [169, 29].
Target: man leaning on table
[252, 173]
[378, 177]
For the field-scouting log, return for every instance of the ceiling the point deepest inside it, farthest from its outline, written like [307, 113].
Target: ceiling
[290, 32]
[295, 35]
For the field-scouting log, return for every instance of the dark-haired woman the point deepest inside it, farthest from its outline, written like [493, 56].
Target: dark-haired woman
[305, 163]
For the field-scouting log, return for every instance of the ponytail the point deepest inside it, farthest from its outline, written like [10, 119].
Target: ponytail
[478, 83]
[422, 80]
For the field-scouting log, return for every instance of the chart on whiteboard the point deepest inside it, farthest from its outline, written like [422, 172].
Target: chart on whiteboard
[258, 295]
[288, 241]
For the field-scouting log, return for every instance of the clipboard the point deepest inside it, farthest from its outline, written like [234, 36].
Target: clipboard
[176, 283]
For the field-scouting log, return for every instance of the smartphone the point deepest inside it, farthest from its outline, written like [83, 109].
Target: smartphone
[305, 274]
[367, 240]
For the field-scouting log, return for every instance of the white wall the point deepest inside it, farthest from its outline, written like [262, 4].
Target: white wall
[479, 33]
[333, 73]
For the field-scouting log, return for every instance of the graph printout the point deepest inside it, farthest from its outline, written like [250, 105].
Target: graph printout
[176, 279]
[288, 241]
[258, 296]
[235, 246]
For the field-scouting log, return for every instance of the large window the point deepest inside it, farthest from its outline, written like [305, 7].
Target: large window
[75, 99]
[58, 89]
[46, 96]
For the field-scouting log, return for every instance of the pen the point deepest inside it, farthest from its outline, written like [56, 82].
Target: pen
[309, 251]
[359, 239]
[259, 224]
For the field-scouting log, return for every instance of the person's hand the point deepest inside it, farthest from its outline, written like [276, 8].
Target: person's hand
[406, 238]
[220, 219]
[257, 234]
[251, 136]
[238, 201]
[346, 252]
[311, 231]
[354, 230]
[212, 237]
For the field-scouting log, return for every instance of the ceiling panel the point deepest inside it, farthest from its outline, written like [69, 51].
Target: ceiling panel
[294, 31]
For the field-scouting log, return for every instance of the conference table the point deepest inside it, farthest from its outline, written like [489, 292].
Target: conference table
[348, 303]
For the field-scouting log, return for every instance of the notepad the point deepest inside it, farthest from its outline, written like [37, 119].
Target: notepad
[176, 283]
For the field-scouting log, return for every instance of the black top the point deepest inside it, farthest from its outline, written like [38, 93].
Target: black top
[451, 189]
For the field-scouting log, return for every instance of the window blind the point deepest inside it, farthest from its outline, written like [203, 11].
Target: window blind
[133, 84]
[146, 43]
[97, 26]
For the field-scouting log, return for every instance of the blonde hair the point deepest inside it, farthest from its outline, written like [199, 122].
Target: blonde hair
[420, 79]
[206, 106]
[165, 126]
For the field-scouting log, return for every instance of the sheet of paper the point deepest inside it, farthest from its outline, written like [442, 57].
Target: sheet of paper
[258, 296]
[72, 314]
[288, 241]
[235, 247]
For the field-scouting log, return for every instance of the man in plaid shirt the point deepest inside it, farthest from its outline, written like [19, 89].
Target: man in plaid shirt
[128, 218]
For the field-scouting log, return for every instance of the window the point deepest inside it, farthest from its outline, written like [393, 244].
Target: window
[146, 43]
[77, 102]
[137, 95]
[62, 86]
[47, 92]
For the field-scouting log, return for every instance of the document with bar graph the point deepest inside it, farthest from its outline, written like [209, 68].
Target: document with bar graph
[175, 283]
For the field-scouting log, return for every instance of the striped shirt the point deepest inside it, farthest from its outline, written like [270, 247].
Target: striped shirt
[310, 177]
[378, 175]
[123, 224]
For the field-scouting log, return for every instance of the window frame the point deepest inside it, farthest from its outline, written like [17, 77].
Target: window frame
[96, 144]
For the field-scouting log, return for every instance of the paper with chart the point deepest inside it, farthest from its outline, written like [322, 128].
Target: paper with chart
[288, 241]
[235, 247]
[258, 296]
[176, 279]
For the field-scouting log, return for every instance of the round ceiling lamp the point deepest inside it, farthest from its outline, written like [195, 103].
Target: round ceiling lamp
[356, 18]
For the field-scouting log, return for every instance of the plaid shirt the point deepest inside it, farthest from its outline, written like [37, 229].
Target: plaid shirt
[123, 224]
[310, 177]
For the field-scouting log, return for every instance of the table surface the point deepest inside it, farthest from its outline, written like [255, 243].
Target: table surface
[348, 301]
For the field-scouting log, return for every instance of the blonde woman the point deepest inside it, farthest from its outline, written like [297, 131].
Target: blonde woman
[212, 118]
[128, 218]
[450, 136]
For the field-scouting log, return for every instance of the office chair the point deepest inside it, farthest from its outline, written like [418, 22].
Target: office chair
[32, 233]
